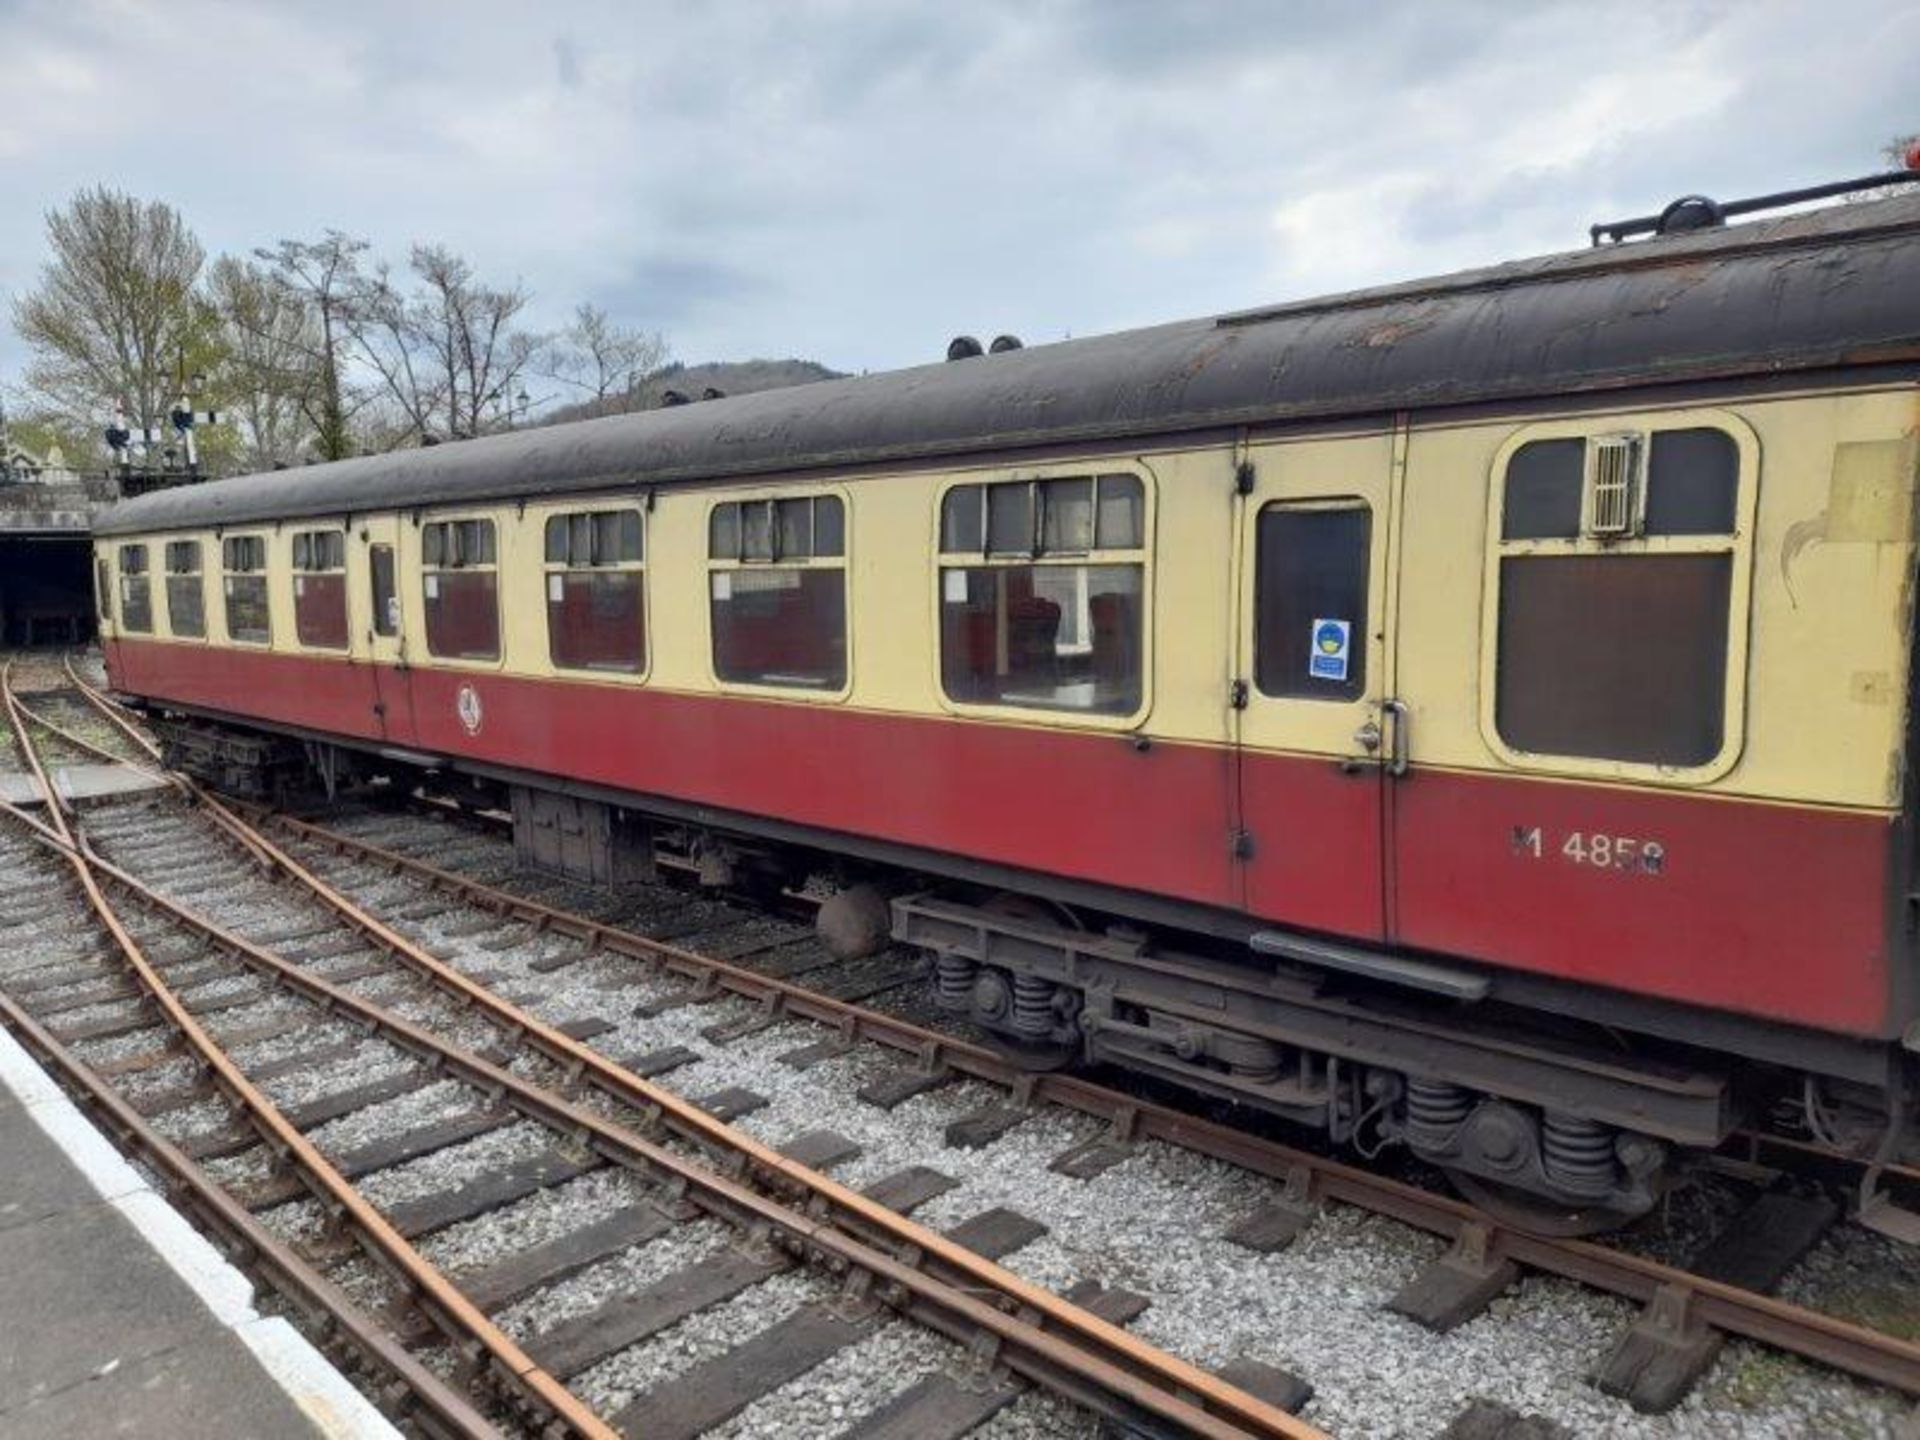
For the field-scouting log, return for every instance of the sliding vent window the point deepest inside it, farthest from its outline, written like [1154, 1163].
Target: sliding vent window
[460, 589]
[136, 592]
[778, 588]
[1310, 600]
[1615, 587]
[243, 558]
[1042, 594]
[320, 588]
[186, 595]
[596, 606]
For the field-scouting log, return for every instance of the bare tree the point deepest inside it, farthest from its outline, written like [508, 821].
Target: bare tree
[450, 351]
[1895, 153]
[115, 320]
[610, 364]
[326, 278]
[271, 380]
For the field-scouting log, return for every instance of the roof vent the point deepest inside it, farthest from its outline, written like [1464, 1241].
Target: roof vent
[675, 397]
[1003, 343]
[1701, 212]
[963, 347]
[713, 392]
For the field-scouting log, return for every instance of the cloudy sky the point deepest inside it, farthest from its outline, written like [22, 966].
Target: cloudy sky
[857, 182]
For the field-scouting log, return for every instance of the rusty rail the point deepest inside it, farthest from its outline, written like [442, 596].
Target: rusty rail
[463, 1320]
[1854, 1349]
[416, 1394]
[1051, 1340]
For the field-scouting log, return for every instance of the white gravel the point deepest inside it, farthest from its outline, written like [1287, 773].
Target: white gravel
[451, 1168]
[533, 1221]
[614, 1381]
[836, 1393]
[624, 1274]
[441, 1100]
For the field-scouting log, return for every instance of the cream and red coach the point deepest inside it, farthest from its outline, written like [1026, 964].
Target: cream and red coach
[1473, 713]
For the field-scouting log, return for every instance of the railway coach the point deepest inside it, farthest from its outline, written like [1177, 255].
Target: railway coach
[1473, 714]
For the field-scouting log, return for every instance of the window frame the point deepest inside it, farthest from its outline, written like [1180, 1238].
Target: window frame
[1738, 544]
[498, 566]
[221, 537]
[168, 575]
[843, 562]
[988, 558]
[105, 605]
[295, 572]
[123, 577]
[1359, 640]
[539, 518]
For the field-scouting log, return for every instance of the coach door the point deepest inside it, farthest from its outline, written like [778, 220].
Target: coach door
[382, 620]
[1316, 729]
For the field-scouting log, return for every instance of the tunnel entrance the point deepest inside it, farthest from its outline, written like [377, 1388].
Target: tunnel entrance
[46, 590]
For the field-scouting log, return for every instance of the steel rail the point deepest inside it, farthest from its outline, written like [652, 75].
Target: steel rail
[1840, 1344]
[1855, 1349]
[464, 1321]
[1049, 1356]
[86, 746]
[415, 1393]
[1112, 1359]
[1102, 1355]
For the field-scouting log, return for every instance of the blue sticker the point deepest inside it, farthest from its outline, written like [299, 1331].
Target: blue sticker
[1327, 657]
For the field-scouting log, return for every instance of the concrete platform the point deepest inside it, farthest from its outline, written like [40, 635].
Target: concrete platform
[117, 1317]
[78, 782]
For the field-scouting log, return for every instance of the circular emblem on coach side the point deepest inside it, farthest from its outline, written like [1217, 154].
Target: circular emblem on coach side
[467, 706]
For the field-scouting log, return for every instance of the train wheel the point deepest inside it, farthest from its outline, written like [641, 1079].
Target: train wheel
[1536, 1214]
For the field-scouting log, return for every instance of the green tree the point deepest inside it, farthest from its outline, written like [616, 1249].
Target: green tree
[116, 322]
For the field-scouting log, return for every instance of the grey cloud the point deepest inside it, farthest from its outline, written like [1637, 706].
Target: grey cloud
[858, 181]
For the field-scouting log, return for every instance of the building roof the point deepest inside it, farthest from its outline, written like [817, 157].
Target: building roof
[1837, 286]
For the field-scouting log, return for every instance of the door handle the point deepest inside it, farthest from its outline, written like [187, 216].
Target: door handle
[1367, 737]
[1401, 755]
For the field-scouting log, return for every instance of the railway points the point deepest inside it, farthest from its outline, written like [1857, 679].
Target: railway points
[934, 948]
[706, 1029]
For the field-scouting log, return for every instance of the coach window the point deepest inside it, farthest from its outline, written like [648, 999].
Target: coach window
[320, 588]
[1310, 600]
[1041, 593]
[777, 583]
[136, 594]
[244, 560]
[461, 589]
[186, 599]
[385, 595]
[1617, 576]
[103, 589]
[596, 608]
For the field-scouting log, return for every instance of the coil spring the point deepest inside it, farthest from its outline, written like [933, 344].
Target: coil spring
[1577, 1154]
[1032, 1005]
[953, 981]
[1437, 1104]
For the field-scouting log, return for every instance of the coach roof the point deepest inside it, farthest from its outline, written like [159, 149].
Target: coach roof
[1827, 287]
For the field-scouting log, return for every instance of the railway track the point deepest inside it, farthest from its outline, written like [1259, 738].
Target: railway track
[484, 1110]
[554, 960]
